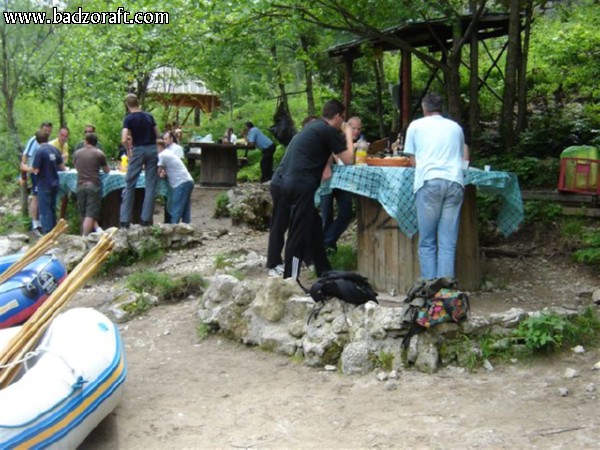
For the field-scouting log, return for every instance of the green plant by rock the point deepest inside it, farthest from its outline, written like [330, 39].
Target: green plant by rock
[166, 287]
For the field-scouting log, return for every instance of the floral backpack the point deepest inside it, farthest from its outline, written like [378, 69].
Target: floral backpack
[432, 302]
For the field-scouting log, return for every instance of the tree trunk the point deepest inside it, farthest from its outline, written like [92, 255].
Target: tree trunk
[513, 54]
[308, 76]
[378, 68]
[280, 83]
[61, 100]
[522, 88]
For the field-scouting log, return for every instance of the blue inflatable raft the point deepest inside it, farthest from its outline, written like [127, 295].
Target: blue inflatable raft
[23, 293]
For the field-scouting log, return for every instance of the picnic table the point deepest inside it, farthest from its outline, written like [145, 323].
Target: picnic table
[218, 162]
[387, 221]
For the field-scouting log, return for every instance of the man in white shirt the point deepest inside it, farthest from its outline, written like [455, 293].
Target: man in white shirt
[181, 182]
[172, 145]
[437, 148]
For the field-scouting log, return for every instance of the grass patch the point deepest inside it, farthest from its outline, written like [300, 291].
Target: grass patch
[205, 330]
[222, 205]
[166, 287]
[385, 360]
[11, 223]
[346, 258]
[138, 306]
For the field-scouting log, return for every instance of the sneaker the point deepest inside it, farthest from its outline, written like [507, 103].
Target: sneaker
[99, 230]
[37, 232]
[276, 271]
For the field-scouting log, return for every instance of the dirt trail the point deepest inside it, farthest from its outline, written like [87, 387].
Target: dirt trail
[185, 393]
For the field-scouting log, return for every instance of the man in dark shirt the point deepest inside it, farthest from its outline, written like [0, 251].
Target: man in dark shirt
[88, 161]
[309, 154]
[144, 133]
[46, 164]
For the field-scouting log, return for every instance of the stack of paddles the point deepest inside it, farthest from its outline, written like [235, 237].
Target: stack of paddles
[32, 330]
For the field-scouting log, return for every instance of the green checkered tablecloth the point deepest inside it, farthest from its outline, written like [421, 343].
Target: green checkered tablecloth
[110, 182]
[393, 188]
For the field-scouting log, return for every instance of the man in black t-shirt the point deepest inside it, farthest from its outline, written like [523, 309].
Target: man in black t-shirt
[309, 155]
[144, 133]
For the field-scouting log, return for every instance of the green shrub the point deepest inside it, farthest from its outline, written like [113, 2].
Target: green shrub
[541, 212]
[222, 203]
[550, 332]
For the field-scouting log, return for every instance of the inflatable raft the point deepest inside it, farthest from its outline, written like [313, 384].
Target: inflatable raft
[25, 291]
[74, 381]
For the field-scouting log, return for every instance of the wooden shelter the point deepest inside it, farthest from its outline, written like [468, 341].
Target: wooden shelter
[431, 34]
[172, 87]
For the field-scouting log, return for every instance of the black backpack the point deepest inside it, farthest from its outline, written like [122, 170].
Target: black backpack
[350, 287]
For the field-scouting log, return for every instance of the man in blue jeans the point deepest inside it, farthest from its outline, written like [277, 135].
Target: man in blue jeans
[144, 133]
[334, 228]
[46, 164]
[437, 148]
[181, 182]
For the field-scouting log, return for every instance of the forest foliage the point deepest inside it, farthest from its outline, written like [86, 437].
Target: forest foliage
[253, 52]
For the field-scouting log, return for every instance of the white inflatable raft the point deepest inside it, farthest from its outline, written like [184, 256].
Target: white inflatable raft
[75, 380]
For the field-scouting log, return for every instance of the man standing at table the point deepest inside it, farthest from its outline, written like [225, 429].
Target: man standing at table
[86, 130]
[144, 133]
[88, 161]
[310, 153]
[257, 138]
[437, 148]
[334, 228]
[46, 164]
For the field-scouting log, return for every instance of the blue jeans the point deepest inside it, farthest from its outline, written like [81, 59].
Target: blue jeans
[438, 215]
[179, 205]
[334, 228]
[47, 208]
[147, 157]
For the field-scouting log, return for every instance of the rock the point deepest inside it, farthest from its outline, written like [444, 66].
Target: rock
[563, 391]
[382, 375]
[596, 366]
[488, 365]
[394, 375]
[330, 368]
[579, 350]
[570, 373]
[591, 387]
[391, 386]
[427, 354]
[355, 359]
[13, 243]
[596, 296]
[126, 305]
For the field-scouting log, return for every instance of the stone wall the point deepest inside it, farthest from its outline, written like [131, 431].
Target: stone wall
[273, 314]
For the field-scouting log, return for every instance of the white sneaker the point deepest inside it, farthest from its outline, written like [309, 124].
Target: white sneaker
[99, 230]
[276, 271]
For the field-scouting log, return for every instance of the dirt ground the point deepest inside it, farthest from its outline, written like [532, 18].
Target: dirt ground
[183, 392]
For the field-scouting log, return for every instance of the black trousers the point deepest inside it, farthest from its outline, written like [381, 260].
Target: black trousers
[305, 233]
[280, 218]
[266, 163]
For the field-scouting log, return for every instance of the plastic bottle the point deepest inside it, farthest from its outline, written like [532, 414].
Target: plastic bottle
[361, 152]
[124, 163]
